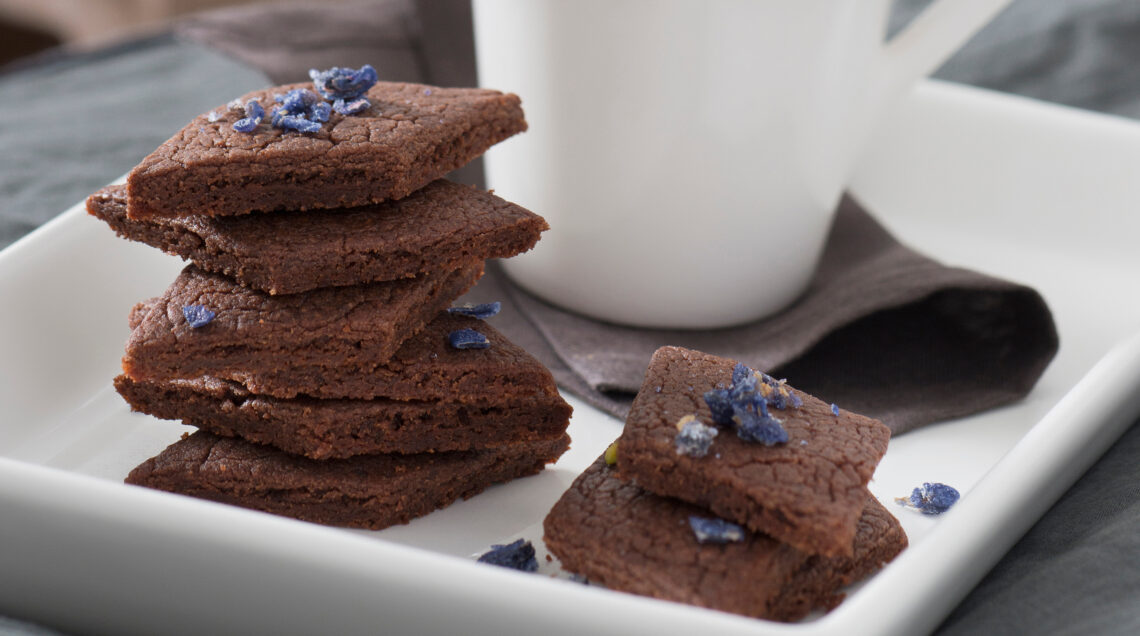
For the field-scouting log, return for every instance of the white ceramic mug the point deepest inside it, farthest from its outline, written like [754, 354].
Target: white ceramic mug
[689, 154]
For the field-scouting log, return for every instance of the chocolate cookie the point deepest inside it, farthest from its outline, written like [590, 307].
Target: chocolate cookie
[807, 491]
[425, 367]
[440, 227]
[409, 136]
[325, 341]
[625, 538]
[323, 429]
[369, 491]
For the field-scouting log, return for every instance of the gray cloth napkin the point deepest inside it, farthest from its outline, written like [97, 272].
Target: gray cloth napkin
[882, 330]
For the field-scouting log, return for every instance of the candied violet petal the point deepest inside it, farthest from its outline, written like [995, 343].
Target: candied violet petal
[931, 498]
[320, 112]
[343, 83]
[693, 438]
[835, 409]
[481, 311]
[760, 427]
[745, 403]
[297, 101]
[715, 530]
[197, 315]
[354, 107]
[518, 555]
[246, 125]
[285, 121]
[720, 405]
[254, 113]
[777, 393]
[468, 339]
[300, 109]
[745, 391]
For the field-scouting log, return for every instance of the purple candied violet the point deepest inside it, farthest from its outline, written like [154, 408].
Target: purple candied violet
[777, 393]
[301, 110]
[744, 406]
[467, 339]
[930, 498]
[297, 101]
[482, 311]
[518, 555]
[197, 315]
[720, 404]
[693, 438]
[351, 107]
[320, 112]
[759, 426]
[254, 113]
[294, 122]
[299, 123]
[835, 409]
[715, 530]
[343, 83]
[745, 391]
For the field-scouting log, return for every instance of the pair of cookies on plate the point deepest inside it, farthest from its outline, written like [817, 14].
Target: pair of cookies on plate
[731, 490]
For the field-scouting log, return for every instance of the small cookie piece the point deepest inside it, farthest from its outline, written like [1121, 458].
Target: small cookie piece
[368, 491]
[627, 539]
[323, 429]
[807, 491]
[438, 228]
[324, 341]
[409, 136]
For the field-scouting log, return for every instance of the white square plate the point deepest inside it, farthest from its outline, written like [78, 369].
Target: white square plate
[81, 551]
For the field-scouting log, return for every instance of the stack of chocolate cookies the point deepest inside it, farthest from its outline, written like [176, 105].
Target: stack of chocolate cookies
[730, 490]
[312, 341]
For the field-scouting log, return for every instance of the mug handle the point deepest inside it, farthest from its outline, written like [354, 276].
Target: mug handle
[930, 39]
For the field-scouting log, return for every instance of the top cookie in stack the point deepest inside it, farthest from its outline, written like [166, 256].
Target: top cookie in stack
[311, 329]
[375, 142]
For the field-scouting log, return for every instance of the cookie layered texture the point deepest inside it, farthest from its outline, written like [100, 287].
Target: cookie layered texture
[807, 491]
[441, 227]
[623, 537]
[409, 136]
[371, 491]
[323, 343]
[429, 397]
[309, 341]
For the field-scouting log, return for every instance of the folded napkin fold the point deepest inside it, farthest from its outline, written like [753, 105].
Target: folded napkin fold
[882, 330]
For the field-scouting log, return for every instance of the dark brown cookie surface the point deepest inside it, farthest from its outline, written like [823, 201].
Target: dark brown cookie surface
[807, 492]
[372, 492]
[323, 342]
[438, 228]
[323, 429]
[425, 367]
[411, 135]
[627, 539]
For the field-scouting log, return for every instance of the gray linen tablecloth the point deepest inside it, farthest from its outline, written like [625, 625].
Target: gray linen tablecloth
[64, 133]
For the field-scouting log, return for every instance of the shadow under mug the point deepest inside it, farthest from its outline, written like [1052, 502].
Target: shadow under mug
[689, 154]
